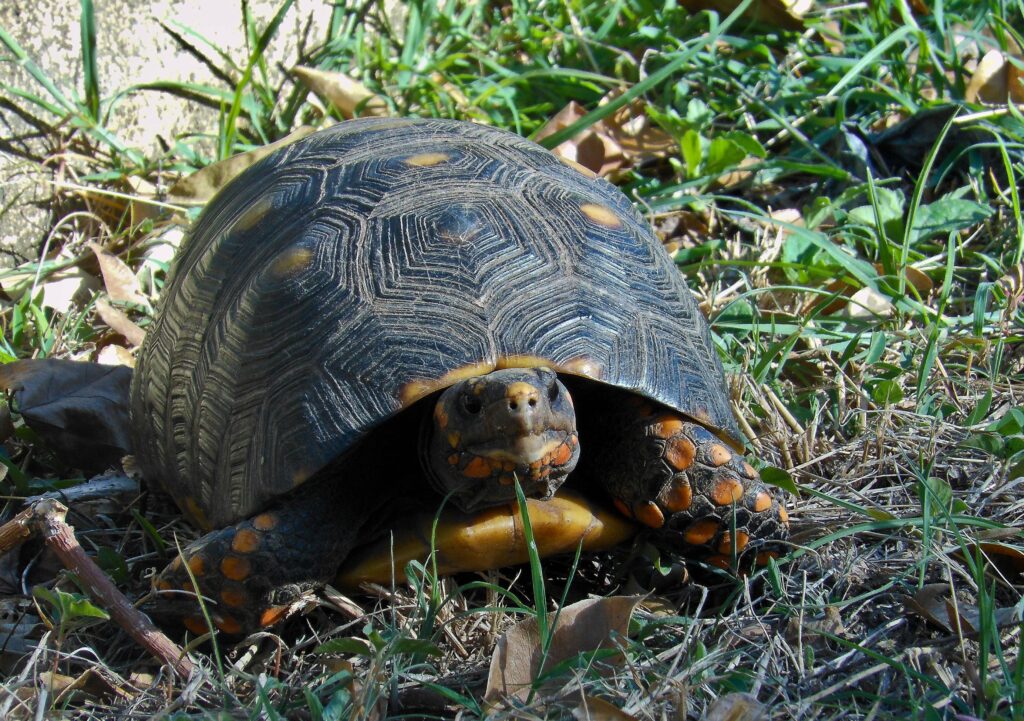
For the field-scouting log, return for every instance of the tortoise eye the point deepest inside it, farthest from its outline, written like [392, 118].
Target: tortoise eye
[471, 404]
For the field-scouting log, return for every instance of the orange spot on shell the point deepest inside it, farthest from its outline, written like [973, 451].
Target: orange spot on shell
[666, 426]
[479, 467]
[720, 455]
[650, 515]
[272, 615]
[680, 452]
[233, 597]
[506, 479]
[725, 545]
[701, 532]
[197, 564]
[235, 567]
[425, 160]
[454, 438]
[163, 585]
[679, 495]
[508, 466]
[763, 502]
[228, 624]
[601, 214]
[749, 471]
[195, 624]
[453, 459]
[727, 491]
[623, 508]
[245, 541]
[762, 558]
[175, 564]
[783, 515]
[264, 522]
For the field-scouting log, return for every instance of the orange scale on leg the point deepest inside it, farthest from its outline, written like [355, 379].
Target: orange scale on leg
[650, 515]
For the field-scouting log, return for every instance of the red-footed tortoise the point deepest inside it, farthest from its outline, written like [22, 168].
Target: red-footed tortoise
[393, 311]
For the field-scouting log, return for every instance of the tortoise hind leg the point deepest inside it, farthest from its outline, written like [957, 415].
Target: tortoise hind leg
[668, 472]
[251, 572]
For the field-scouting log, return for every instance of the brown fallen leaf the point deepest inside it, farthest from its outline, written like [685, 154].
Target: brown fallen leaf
[785, 14]
[115, 355]
[595, 708]
[1008, 559]
[736, 707]
[69, 288]
[934, 604]
[348, 95]
[119, 322]
[617, 141]
[815, 631]
[995, 79]
[79, 409]
[203, 184]
[119, 280]
[582, 627]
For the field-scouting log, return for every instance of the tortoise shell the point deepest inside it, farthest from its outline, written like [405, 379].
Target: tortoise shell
[346, 276]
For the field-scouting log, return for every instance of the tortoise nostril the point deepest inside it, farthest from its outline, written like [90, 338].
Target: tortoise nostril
[533, 402]
[513, 405]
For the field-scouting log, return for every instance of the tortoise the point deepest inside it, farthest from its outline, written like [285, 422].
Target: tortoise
[394, 311]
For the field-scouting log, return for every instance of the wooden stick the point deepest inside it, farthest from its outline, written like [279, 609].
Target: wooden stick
[46, 518]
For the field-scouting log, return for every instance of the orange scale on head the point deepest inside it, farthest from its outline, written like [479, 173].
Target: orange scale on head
[479, 467]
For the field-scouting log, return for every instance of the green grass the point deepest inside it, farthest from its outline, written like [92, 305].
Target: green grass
[873, 336]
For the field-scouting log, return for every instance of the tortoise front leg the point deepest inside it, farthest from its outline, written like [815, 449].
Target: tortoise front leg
[251, 572]
[668, 472]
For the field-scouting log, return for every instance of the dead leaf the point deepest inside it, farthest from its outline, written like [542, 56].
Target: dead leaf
[203, 184]
[591, 148]
[79, 409]
[868, 303]
[582, 627]
[785, 14]
[348, 95]
[617, 141]
[595, 708]
[934, 604]
[815, 631]
[994, 80]
[66, 289]
[118, 278]
[736, 707]
[92, 683]
[119, 322]
[1008, 559]
[115, 355]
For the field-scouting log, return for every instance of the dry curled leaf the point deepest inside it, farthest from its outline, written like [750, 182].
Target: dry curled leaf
[736, 707]
[615, 142]
[119, 322]
[204, 184]
[582, 627]
[934, 603]
[79, 409]
[595, 708]
[119, 280]
[994, 80]
[348, 95]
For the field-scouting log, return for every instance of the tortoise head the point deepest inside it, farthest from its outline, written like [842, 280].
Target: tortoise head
[487, 431]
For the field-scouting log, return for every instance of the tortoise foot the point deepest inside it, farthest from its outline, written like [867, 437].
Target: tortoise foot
[251, 574]
[685, 480]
